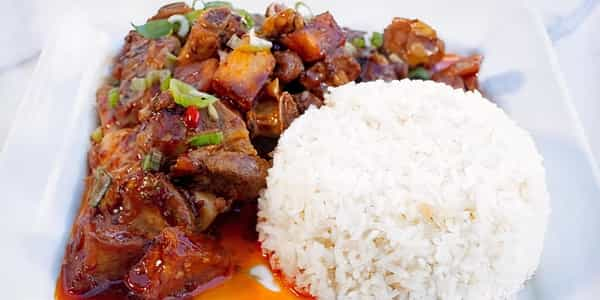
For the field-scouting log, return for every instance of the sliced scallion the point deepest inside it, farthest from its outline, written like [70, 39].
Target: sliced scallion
[350, 49]
[154, 29]
[152, 161]
[186, 95]
[164, 84]
[193, 15]
[113, 97]
[247, 18]
[100, 185]
[419, 73]
[97, 135]
[138, 84]
[376, 39]
[234, 41]
[308, 14]
[182, 21]
[204, 139]
[255, 44]
[359, 42]
[156, 76]
[212, 112]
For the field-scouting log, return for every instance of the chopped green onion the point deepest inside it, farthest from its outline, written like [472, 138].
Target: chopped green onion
[255, 43]
[171, 60]
[138, 84]
[184, 24]
[234, 42]
[376, 39]
[212, 4]
[157, 76]
[152, 160]
[247, 18]
[350, 49]
[113, 97]
[212, 112]
[395, 58]
[171, 57]
[193, 15]
[419, 73]
[186, 95]
[155, 29]
[164, 84]
[100, 186]
[97, 135]
[204, 139]
[308, 12]
[359, 42]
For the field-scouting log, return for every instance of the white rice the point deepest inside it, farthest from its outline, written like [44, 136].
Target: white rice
[405, 190]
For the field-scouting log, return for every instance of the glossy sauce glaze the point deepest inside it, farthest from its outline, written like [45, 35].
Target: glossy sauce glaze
[236, 233]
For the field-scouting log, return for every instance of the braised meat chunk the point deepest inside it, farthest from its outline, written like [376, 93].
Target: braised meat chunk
[141, 55]
[288, 66]
[208, 34]
[177, 265]
[281, 22]
[198, 74]
[413, 41]
[241, 76]
[232, 175]
[317, 38]
[459, 72]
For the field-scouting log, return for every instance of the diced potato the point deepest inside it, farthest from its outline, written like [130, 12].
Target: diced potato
[318, 37]
[241, 76]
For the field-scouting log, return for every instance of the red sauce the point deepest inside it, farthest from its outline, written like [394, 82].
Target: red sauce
[238, 236]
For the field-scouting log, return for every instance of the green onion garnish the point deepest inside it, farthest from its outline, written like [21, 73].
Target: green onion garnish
[212, 4]
[308, 14]
[181, 23]
[97, 135]
[152, 160]
[247, 19]
[359, 42]
[113, 97]
[164, 84]
[157, 76]
[212, 112]
[138, 84]
[100, 186]
[255, 44]
[350, 49]
[186, 95]
[170, 60]
[204, 139]
[193, 15]
[376, 39]
[419, 73]
[155, 29]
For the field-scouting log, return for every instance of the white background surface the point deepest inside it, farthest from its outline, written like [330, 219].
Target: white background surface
[572, 248]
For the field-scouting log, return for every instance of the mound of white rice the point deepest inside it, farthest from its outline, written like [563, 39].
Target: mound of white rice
[405, 190]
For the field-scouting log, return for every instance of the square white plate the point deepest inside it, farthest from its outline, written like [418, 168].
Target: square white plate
[44, 159]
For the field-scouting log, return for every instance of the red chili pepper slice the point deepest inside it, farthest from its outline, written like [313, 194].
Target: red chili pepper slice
[191, 117]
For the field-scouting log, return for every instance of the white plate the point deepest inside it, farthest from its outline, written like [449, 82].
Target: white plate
[44, 159]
